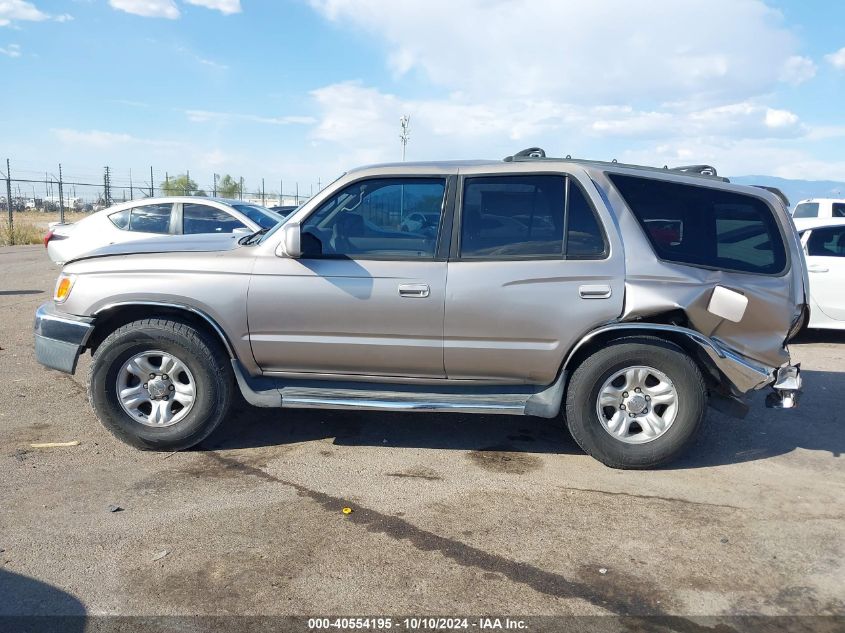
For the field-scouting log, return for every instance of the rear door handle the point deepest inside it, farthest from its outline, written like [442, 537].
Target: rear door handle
[414, 291]
[600, 291]
[815, 268]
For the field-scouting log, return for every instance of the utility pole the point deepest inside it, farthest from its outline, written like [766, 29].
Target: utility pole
[107, 187]
[297, 194]
[262, 192]
[131, 190]
[214, 186]
[61, 197]
[281, 192]
[405, 134]
[241, 188]
[9, 196]
[152, 184]
[187, 182]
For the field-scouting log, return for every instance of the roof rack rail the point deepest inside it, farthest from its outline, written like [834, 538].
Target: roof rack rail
[531, 152]
[538, 153]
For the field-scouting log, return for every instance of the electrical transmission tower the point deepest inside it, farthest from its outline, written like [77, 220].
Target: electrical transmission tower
[405, 135]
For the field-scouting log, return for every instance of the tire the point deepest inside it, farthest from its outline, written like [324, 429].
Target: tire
[654, 436]
[199, 366]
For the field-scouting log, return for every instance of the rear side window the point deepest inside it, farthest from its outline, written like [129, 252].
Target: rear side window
[120, 219]
[151, 218]
[202, 218]
[524, 216]
[701, 226]
[839, 209]
[806, 210]
[827, 242]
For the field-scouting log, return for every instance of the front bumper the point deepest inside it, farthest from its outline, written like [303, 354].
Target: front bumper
[60, 337]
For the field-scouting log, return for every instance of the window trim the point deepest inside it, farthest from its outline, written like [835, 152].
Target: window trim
[446, 211]
[787, 267]
[455, 250]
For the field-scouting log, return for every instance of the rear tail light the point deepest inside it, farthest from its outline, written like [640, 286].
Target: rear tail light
[47, 238]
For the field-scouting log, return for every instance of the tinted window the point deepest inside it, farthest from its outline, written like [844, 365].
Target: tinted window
[264, 218]
[827, 242]
[151, 218]
[120, 219]
[702, 226]
[202, 218]
[370, 219]
[584, 237]
[839, 210]
[512, 216]
[806, 210]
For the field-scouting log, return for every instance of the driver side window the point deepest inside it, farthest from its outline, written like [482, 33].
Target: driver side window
[384, 218]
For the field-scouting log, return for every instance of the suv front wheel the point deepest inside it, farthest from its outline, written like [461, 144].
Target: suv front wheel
[636, 403]
[160, 384]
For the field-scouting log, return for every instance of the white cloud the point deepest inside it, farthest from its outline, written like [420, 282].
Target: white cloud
[779, 119]
[606, 51]
[226, 7]
[20, 10]
[12, 50]
[105, 140]
[837, 59]
[796, 70]
[207, 116]
[148, 8]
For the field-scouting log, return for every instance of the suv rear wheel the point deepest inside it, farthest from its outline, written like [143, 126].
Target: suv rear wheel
[636, 403]
[160, 384]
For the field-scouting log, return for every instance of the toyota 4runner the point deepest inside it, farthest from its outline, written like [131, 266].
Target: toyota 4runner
[620, 299]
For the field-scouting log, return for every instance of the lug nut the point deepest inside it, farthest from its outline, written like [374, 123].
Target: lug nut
[645, 410]
[632, 415]
[172, 388]
[624, 394]
[165, 398]
[145, 385]
[622, 406]
[648, 398]
[638, 390]
[152, 375]
[164, 376]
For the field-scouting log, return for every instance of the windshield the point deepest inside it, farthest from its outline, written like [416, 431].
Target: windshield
[293, 213]
[263, 217]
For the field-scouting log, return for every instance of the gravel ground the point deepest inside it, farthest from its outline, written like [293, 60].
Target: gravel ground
[452, 514]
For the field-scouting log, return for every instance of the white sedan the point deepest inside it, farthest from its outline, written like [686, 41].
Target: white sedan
[154, 217]
[824, 249]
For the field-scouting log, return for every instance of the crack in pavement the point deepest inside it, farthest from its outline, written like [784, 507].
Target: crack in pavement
[657, 497]
[615, 599]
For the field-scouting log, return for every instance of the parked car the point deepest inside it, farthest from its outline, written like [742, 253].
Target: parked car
[824, 247]
[811, 209]
[154, 217]
[284, 210]
[627, 297]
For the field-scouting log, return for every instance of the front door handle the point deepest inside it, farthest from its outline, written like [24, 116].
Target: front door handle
[599, 291]
[414, 291]
[815, 268]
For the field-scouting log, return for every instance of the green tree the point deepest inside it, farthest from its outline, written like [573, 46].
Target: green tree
[228, 187]
[181, 185]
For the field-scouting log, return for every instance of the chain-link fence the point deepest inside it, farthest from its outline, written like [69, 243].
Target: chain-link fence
[37, 198]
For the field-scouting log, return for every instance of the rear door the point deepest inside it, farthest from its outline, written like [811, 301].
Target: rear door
[532, 269]
[826, 268]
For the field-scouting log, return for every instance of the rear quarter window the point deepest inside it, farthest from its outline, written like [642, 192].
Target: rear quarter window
[806, 210]
[703, 226]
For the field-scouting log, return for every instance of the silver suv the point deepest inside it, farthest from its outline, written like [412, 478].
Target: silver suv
[620, 298]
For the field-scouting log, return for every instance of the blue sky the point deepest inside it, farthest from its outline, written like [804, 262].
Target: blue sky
[302, 90]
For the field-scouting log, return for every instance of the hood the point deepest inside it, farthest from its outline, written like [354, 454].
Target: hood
[204, 243]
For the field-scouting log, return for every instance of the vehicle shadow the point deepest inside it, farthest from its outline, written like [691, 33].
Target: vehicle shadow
[31, 605]
[818, 424]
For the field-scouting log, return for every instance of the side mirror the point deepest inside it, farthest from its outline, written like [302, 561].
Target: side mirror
[291, 245]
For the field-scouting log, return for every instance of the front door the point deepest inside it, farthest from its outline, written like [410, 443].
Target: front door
[367, 295]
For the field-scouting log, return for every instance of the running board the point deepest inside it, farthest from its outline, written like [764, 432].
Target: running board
[507, 400]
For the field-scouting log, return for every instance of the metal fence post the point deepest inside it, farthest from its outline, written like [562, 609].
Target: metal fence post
[9, 199]
[61, 197]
